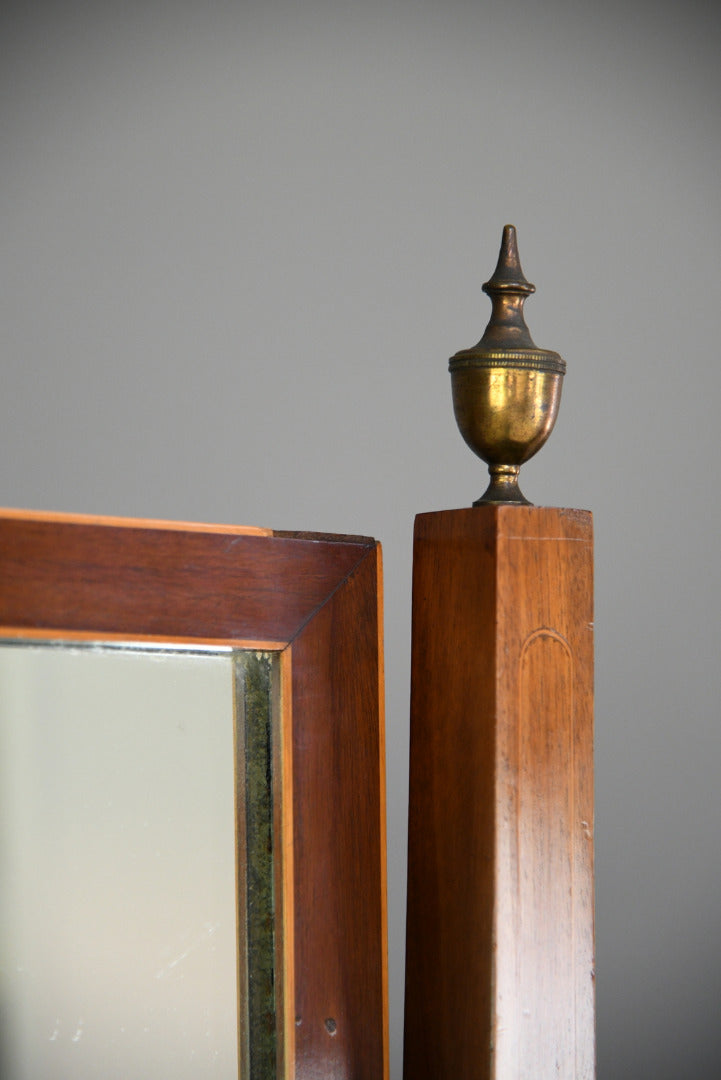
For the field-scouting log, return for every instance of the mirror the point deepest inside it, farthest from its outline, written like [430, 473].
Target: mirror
[124, 775]
[191, 802]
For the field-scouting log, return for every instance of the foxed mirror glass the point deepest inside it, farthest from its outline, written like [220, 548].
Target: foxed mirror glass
[128, 776]
[191, 812]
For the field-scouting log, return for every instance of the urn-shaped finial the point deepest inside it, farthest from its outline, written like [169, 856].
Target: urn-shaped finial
[506, 391]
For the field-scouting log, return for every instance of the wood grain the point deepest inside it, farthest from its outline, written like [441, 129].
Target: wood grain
[499, 975]
[166, 582]
[317, 599]
[337, 748]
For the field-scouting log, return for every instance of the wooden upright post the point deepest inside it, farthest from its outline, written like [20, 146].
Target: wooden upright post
[499, 970]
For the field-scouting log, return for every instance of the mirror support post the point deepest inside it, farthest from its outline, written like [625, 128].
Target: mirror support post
[500, 940]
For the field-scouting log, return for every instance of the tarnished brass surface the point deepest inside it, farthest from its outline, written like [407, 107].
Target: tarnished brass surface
[506, 391]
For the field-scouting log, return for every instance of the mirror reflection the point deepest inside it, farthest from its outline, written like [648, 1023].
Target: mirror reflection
[137, 869]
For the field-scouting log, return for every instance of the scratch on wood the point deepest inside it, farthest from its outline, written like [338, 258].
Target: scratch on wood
[566, 539]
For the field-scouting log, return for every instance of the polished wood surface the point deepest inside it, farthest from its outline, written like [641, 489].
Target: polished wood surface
[499, 976]
[337, 974]
[139, 578]
[316, 598]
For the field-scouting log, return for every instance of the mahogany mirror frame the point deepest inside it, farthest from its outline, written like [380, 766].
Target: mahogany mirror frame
[317, 600]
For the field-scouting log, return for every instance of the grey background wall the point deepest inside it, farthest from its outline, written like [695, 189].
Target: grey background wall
[239, 243]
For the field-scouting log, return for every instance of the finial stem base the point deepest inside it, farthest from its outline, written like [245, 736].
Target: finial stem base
[503, 487]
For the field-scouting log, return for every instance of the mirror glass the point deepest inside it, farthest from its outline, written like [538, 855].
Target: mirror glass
[136, 859]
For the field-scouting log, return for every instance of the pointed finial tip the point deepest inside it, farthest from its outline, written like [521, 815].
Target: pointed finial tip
[508, 272]
[509, 247]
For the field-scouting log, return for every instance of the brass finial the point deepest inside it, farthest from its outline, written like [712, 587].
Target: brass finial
[506, 391]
